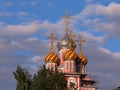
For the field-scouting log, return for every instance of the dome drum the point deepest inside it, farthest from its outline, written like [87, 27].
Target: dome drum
[65, 43]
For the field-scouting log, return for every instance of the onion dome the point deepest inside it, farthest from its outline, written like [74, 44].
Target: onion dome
[51, 57]
[82, 59]
[65, 43]
[70, 55]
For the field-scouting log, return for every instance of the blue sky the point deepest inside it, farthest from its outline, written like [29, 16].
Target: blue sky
[24, 25]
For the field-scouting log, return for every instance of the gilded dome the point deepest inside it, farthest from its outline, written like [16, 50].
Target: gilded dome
[82, 59]
[70, 55]
[51, 57]
[65, 42]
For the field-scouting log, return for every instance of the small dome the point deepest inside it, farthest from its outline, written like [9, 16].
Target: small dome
[51, 57]
[65, 42]
[70, 55]
[82, 59]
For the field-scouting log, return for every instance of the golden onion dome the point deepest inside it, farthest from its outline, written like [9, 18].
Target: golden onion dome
[82, 59]
[65, 43]
[51, 57]
[70, 55]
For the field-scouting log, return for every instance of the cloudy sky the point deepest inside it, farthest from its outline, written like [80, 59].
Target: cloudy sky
[25, 24]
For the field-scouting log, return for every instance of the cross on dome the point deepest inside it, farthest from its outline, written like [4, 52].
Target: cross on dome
[70, 39]
[80, 40]
[52, 38]
[71, 35]
[66, 42]
[67, 17]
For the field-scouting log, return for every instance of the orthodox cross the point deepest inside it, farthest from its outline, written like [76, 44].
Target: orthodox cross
[70, 39]
[67, 17]
[80, 40]
[52, 38]
[70, 35]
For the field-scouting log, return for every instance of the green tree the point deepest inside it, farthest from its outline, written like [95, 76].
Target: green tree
[72, 86]
[45, 79]
[23, 79]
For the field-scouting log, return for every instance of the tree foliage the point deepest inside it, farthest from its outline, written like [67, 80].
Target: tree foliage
[72, 86]
[43, 79]
[118, 88]
[23, 79]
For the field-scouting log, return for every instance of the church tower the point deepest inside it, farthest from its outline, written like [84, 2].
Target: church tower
[82, 60]
[51, 58]
[68, 62]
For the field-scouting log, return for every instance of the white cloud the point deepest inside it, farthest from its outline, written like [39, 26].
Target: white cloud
[21, 29]
[100, 58]
[105, 51]
[50, 5]
[2, 23]
[32, 39]
[37, 58]
[33, 3]
[117, 55]
[32, 27]
[22, 14]
[45, 28]
[100, 18]
[6, 14]
[90, 38]
[110, 29]
[15, 44]
[7, 4]
[88, 1]
[111, 11]
[105, 62]
[88, 10]
[6, 77]
[57, 27]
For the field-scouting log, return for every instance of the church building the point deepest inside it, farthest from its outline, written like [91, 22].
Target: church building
[67, 61]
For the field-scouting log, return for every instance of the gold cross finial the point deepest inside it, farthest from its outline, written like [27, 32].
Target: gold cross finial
[70, 39]
[71, 35]
[80, 40]
[52, 38]
[67, 17]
